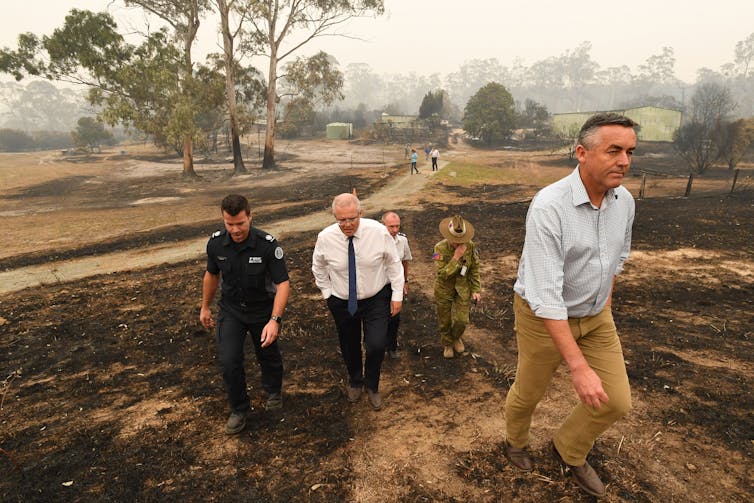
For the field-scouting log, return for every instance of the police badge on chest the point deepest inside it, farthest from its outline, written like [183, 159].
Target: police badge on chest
[255, 260]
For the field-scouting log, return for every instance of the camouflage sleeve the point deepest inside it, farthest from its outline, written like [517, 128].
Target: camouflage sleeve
[445, 265]
[474, 279]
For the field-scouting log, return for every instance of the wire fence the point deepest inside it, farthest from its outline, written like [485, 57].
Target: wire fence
[654, 184]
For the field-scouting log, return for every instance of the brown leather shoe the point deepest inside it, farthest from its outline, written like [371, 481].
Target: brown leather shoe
[447, 352]
[518, 457]
[584, 475]
[375, 400]
[354, 393]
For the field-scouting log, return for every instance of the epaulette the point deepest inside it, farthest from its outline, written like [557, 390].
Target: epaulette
[401, 234]
[263, 235]
[216, 234]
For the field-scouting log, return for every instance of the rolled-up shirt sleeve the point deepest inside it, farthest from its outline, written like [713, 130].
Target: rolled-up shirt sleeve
[543, 263]
[627, 241]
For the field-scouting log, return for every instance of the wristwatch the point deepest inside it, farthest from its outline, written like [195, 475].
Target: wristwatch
[279, 319]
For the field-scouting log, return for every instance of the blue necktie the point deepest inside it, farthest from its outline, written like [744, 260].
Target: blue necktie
[352, 305]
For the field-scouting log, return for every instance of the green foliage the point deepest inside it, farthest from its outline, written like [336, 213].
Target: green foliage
[315, 79]
[282, 28]
[91, 133]
[13, 140]
[46, 140]
[534, 116]
[298, 114]
[432, 104]
[489, 114]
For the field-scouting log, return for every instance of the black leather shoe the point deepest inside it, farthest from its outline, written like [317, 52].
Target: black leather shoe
[375, 400]
[236, 423]
[274, 401]
[518, 457]
[584, 475]
[354, 393]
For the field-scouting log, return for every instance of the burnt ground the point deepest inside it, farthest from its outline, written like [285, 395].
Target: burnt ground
[112, 392]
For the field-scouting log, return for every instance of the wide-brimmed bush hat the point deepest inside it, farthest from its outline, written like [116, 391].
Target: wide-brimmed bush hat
[456, 230]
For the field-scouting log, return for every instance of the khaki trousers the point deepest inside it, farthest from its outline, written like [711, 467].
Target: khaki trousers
[538, 358]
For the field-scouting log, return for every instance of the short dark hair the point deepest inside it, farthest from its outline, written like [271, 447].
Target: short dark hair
[234, 204]
[598, 120]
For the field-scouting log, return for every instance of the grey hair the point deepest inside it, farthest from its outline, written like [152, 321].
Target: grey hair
[596, 121]
[387, 214]
[344, 200]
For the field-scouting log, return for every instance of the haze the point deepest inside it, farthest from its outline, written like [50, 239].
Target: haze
[429, 37]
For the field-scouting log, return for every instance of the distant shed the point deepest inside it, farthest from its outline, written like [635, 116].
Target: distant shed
[656, 124]
[339, 131]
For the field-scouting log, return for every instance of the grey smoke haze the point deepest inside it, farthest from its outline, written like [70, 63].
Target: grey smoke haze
[437, 36]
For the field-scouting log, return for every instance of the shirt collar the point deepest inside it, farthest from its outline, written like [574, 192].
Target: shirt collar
[578, 191]
[249, 242]
[356, 234]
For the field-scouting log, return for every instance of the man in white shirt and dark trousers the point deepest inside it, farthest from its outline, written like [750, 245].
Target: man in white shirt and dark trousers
[392, 222]
[357, 268]
[578, 235]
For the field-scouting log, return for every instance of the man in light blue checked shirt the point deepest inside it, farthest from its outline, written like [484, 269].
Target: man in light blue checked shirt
[578, 235]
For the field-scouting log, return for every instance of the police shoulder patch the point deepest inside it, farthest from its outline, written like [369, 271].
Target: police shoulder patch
[215, 234]
[278, 253]
[269, 238]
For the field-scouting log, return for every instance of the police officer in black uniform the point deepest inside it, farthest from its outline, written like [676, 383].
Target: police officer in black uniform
[255, 290]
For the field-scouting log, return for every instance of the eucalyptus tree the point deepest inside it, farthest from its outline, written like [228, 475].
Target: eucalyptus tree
[284, 27]
[149, 86]
[231, 28]
[184, 17]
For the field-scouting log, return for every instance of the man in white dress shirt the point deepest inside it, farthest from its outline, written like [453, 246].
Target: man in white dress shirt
[392, 222]
[369, 301]
[578, 235]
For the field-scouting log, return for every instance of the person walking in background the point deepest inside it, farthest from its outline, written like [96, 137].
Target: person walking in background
[255, 290]
[357, 269]
[457, 281]
[392, 222]
[434, 154]
[414, 158]
[427, 150]
[578, 236]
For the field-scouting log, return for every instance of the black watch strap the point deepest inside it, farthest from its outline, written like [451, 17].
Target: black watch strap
[279, 319]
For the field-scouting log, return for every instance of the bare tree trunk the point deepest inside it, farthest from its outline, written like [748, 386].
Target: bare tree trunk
[269, 134]
[188, 157]
[230, 88]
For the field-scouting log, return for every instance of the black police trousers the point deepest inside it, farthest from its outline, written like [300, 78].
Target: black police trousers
[231, 334]
[372, 314]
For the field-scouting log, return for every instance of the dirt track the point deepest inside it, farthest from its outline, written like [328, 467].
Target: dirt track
[391, 196]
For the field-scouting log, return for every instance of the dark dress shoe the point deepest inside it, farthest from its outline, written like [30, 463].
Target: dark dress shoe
[518, 457]
[375, 400]
[584, 475]
[354, 393]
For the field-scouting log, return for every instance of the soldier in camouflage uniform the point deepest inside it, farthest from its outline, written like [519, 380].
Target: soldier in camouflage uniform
[456, 281]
